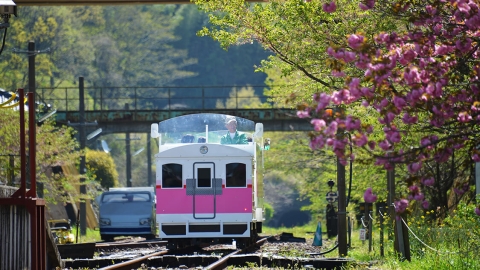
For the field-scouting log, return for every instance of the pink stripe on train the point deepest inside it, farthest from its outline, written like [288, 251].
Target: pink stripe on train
[232, 200]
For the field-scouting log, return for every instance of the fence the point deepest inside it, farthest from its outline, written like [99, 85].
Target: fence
[158, 98]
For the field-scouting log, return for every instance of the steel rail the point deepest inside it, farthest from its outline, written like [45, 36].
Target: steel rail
[222, 263]
[134, 263]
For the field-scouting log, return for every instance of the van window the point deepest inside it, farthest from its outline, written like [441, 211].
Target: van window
[122, 197]
[236, 175]
[171, 175]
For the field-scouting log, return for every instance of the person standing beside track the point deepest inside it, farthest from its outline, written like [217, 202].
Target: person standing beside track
[233, 136]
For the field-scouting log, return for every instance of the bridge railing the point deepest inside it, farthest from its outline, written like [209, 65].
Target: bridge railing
[157, 98]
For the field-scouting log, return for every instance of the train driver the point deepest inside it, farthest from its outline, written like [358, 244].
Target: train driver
[233, 136]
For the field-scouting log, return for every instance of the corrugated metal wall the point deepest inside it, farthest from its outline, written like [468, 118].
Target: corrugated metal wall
[15, 237]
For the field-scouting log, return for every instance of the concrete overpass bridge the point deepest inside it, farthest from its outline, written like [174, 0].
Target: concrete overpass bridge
[134, 109]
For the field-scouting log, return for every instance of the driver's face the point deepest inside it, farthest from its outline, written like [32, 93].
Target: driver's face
[232, 126]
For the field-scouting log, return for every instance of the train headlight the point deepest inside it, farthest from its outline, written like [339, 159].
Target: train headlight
[105, 221]
[144, 221]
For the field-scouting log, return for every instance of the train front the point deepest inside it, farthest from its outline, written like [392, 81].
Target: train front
[208, 191]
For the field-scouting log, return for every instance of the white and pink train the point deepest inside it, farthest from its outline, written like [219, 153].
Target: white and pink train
[207, 191]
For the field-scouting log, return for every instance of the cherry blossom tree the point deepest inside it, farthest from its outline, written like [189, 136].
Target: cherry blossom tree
[425, 78]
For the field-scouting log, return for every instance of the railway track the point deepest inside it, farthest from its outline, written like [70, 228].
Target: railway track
[154, 254]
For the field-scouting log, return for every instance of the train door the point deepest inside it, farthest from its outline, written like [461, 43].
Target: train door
[204, 189]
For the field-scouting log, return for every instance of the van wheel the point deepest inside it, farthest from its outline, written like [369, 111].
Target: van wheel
[150, 236]
[106, 238]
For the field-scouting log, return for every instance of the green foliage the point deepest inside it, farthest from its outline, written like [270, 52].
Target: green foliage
[243, 98]
[103, 168]
[297, 32]
[432, 246]
[309, 170]
[108, 45]
[91, 235]
[268, 208]
[216, 66]
[140, 45]
[55, 147]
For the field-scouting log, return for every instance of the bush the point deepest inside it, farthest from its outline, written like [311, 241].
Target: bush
[102, 167]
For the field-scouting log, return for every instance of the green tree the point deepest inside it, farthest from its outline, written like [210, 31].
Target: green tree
[216, 66]
[55, 147]
[102, 166]
[244, 98]
[108, 45]
[297, 32]
[66, 52]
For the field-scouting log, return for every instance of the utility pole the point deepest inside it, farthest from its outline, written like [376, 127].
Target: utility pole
[31, 52]
[128, 155]
[83, 169]
[129, 158]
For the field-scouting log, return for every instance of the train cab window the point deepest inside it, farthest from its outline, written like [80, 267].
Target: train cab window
[171, 175]
[204, 177]
[236, 175]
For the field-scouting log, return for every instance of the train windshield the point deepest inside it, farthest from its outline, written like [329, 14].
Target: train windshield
[201, 128]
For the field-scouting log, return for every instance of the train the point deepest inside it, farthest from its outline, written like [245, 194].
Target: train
[127, 211]
[208, 192]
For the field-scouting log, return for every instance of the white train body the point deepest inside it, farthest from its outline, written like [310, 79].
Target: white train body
[206, 190]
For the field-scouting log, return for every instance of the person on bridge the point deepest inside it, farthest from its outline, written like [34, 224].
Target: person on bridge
[233, 136]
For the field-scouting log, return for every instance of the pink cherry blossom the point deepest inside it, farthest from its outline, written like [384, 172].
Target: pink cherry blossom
[419, 197]
[401, 205]
[425, 204]
[303, 114]
[367, 4]
[476, 157]
[355, 41]
[360, 140]
[428, 181]
[329, 7]
[369, 197]
[331, 129]
[414, 167]
[318, 124]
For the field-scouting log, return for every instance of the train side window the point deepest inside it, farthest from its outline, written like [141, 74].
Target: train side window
[172, 175]
[236, 175]
[204, 177]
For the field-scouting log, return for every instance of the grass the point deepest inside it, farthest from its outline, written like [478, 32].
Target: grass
[90, 236]
[452, 245]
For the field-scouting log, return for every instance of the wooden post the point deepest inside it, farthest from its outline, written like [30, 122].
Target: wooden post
[342, 199]
[83, 169]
